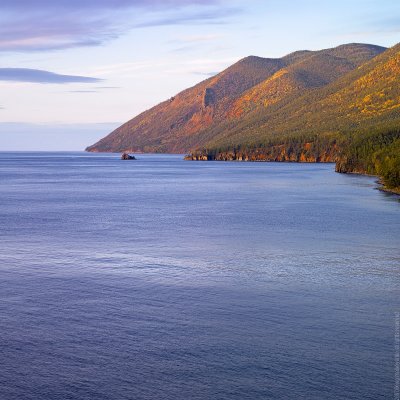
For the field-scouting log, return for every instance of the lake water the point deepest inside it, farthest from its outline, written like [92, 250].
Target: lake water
[167, 279]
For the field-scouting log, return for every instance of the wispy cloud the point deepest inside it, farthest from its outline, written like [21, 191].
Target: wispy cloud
[214, 17]
[192, 42]
[96, 4]
[27, 25]
[201, 73]
[83, 91]
[197, 66]
[383, 25]
[125, 68]
[198, 38]
[40, 76]
[95, 89]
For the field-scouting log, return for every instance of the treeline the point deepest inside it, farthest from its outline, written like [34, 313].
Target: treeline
[293, 148]
[304, 147]
[376, 152]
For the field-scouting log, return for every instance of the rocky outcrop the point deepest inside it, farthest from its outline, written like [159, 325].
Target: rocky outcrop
[209, 97]
[308, 153]
[126, 156]
[198, 157]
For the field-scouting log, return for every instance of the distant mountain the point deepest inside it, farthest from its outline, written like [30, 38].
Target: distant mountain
[336, 105]
[192, 118]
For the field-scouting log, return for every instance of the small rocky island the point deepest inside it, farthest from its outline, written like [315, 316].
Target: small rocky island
[126, 156]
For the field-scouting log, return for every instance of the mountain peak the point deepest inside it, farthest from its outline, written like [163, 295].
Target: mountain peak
[250, 88]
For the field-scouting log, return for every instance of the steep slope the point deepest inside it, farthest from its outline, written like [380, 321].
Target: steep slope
[169, 125]
[354, 121]
[195, 117]
[367, 97]
[314, 71]
[305, 71]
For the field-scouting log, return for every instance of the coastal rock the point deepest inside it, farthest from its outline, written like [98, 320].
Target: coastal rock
[197, 157]
[126, 156]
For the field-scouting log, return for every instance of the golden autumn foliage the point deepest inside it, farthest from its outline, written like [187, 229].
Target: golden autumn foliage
[340, 104]
[250, 88]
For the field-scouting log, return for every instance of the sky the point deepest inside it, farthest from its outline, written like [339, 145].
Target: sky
[71, 71]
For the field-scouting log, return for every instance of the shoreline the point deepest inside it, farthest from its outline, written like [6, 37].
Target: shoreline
[383, 188]
[189, 157]
[393, 192]
[380, 185]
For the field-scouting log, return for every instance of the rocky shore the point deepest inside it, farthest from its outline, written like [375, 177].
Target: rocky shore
[282, 154]
[307, 153]
[127, 156]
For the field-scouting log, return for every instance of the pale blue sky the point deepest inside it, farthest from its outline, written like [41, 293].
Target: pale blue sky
[70, 71]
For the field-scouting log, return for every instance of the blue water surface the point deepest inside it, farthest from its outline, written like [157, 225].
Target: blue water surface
[168, 279]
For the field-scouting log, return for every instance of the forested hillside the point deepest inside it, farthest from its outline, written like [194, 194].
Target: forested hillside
[335, 105]
[197, 116]
[354, 120]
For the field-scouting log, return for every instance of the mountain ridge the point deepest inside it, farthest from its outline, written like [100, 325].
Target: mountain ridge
[334, 105]
[180, 124]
